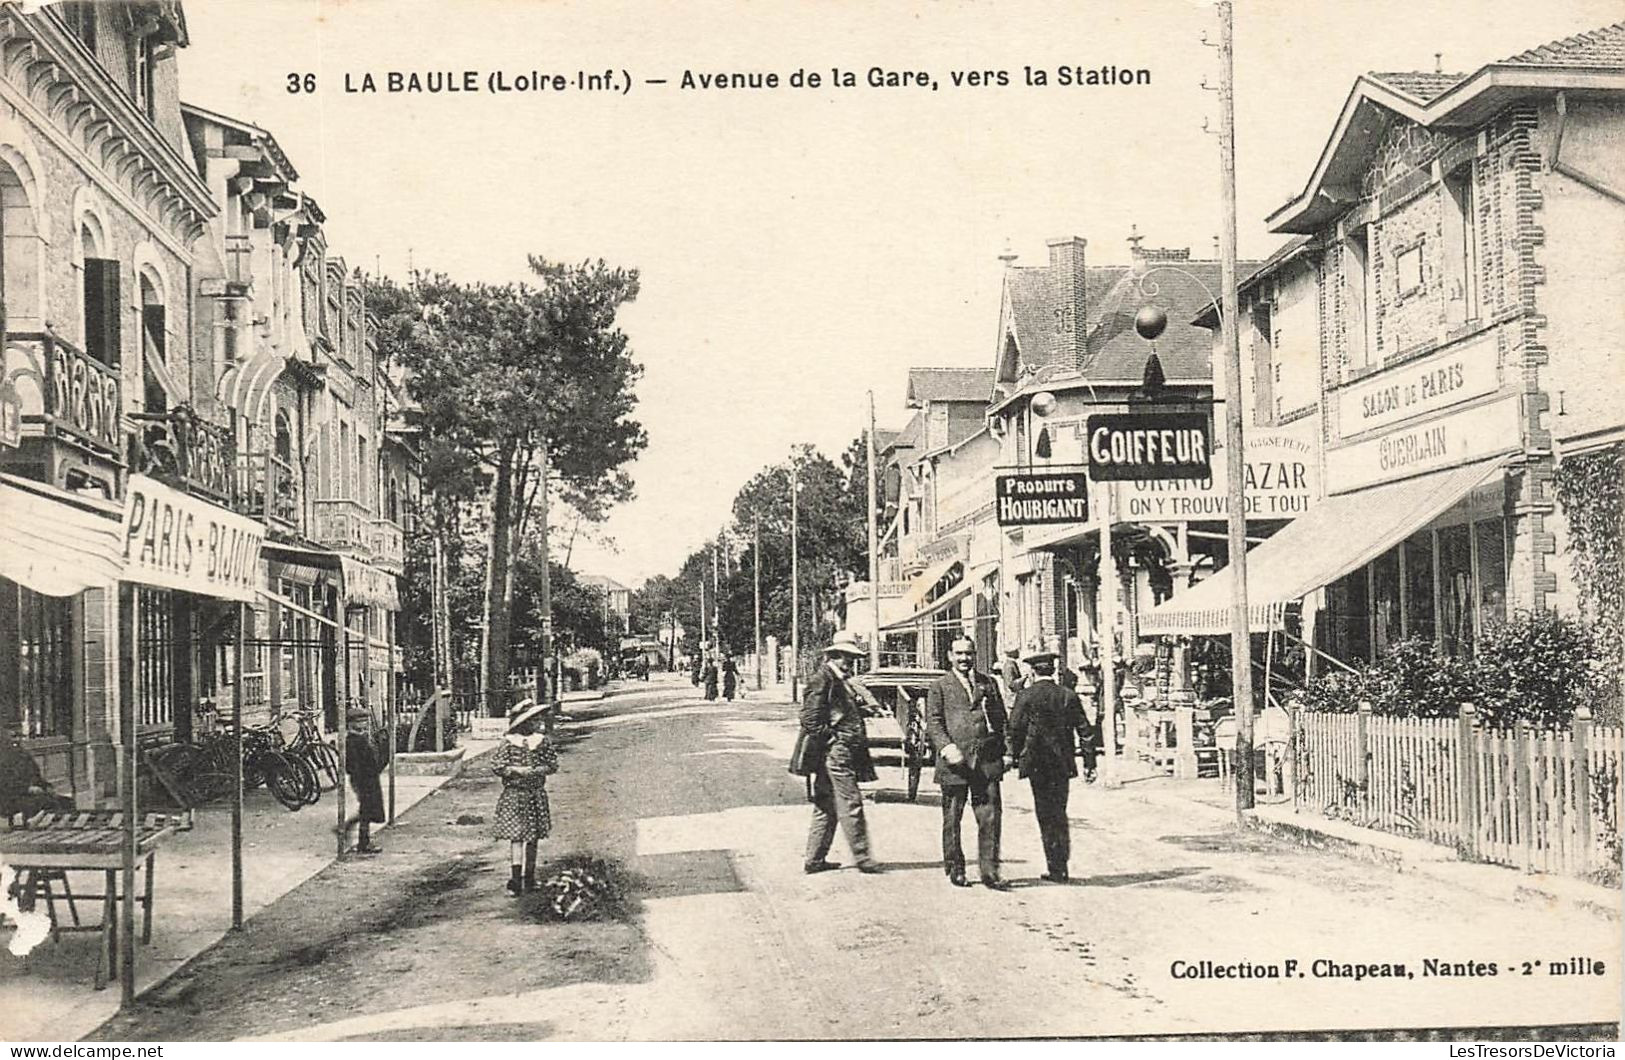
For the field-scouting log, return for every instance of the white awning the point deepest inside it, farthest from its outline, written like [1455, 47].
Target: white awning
[928, 578]
[366, 584]
[55, 543]
[1340, 534]
[958, 592]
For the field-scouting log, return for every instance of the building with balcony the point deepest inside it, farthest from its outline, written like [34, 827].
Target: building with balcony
[1452, 332]
[102, 393]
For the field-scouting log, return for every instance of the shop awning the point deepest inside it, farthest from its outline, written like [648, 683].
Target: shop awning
[962, 588]
[1340, 534]
[366, 584]
[56, 543]
[928, 578]
[177, 541]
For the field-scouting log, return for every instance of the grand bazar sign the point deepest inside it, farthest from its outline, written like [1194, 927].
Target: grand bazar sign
[1282, 480]
[177, 541]
[1041, 499]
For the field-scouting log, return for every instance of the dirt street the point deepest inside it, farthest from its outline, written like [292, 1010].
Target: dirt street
[727, 938]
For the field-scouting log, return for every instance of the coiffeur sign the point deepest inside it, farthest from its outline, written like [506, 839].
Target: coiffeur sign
[176, 541]
[1037, 500]
[1138, 446]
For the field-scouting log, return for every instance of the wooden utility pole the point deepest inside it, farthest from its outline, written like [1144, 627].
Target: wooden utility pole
[795, 586]
[756, 540]
[874, 543]
[1241, 661]
[548, 693]
[716, 599]
[1106, 610]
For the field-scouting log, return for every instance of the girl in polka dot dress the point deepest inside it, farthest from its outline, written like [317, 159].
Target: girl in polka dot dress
[523, 760]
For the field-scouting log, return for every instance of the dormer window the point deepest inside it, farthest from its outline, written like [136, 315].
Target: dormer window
[143, 57]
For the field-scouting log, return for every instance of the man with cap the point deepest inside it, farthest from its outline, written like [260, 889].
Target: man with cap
[830, 712]
[1042, 744]
[363, 763]
[964, 718]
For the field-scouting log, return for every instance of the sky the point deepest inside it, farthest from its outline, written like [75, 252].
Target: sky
[800, 246]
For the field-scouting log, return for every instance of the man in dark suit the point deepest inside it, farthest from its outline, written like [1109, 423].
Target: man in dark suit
[830, 712]
[1042, 728]
[964, 718]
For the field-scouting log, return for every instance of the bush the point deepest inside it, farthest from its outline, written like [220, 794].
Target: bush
[1537, 667]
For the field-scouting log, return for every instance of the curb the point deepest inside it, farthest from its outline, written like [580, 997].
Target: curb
[1492, 881]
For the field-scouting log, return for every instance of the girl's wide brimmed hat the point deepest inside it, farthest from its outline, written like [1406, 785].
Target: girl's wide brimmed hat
[522, 712]
[358, 714]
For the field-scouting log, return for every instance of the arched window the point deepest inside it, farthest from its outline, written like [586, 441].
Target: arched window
[154, 354]
[284, 438]
[19, 251]
[101, 287]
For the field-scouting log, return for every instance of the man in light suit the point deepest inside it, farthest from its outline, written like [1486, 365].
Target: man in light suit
[964, 718]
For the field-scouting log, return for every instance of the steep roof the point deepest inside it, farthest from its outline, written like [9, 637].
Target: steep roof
[1420, 85]
[598, 581]
[1115, 352]
[948, 384]
[1591, 62]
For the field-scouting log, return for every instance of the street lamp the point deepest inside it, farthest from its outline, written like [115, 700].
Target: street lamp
[1149, 322]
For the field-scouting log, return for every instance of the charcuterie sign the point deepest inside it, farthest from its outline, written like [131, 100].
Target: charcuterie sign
[1140, 446]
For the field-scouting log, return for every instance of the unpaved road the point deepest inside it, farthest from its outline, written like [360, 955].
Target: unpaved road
[730, 940]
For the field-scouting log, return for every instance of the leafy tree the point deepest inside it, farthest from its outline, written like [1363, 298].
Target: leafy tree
[528, 392]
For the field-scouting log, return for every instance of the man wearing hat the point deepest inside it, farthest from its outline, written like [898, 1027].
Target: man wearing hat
[830, 712]
[964, 717]
[362, 764]
[1041, 743]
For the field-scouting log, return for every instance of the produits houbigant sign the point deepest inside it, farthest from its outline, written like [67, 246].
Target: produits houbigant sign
[1031, 499]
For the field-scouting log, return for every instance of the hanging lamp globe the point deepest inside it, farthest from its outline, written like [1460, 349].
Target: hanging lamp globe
[1150, 322]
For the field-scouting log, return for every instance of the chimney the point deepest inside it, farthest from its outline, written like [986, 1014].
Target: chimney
[1067, 302]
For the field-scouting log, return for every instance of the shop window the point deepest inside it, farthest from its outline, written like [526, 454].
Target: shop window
[1419, 586]
[1386, 622]
[1348, 618]
[155, 653]
[1490, 544]
[1455, 590]
[36, 662]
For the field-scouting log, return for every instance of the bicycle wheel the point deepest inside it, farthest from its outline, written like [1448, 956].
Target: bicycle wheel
[309, 779]
[327, 762]
[281, 777]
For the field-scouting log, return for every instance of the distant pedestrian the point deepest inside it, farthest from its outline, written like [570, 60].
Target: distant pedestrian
[710, 678]
[1010, 672]
[694, 669]
[523, 760]
[1043, 744]
[362, 764]
[730, 678]
[833, 749]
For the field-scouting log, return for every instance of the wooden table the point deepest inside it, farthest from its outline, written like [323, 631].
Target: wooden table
[49, 845]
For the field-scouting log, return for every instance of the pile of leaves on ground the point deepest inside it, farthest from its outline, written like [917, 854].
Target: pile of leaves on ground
[584, 887]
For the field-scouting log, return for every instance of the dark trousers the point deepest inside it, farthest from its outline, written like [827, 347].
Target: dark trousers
[1049, 806]
[835, 797]
[983, 796]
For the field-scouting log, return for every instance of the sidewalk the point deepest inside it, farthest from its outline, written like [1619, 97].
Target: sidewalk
[48, 996]
[1216, 799]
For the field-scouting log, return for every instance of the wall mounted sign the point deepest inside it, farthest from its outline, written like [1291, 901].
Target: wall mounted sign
[1282, 481]
[1031, 499]
[942, 550]
[1137, 446]
[176, 541]
[1456, 438]
[11, 422]
[1422, 387]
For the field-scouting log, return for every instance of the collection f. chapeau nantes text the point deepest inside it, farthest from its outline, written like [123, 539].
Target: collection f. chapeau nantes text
[1360, 971]
[621, 81]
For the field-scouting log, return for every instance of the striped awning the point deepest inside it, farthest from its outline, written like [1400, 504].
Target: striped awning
[1338, 535]
[926, 580]
[55, 543]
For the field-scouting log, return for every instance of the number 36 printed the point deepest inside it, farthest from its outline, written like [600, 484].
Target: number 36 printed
[301, 83]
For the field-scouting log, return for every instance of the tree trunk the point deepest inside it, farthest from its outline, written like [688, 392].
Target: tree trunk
[499, 585]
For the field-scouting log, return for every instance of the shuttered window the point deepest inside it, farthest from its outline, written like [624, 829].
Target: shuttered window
[102, 310]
